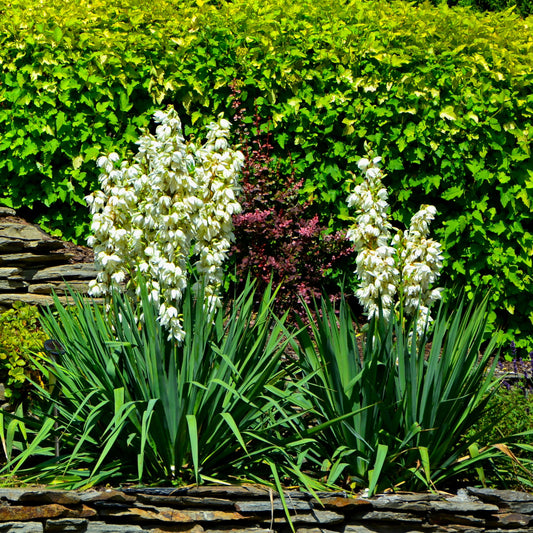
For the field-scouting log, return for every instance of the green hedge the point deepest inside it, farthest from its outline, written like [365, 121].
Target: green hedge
[443, 94]
[522, 7]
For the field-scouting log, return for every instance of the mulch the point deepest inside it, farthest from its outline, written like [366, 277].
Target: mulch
[80, 254]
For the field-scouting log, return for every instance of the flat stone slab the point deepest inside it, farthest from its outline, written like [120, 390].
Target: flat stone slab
[458, 519]
[40, 496]
[14, 246]
[234, 492]
[388, 516]
[410, 497]
[512, 520]
[60, 272]
[522, 507]
[59, 287]
[500, 496]
[342, 504]
[219, 491]
[25, 513]
[316, 517]
[102, 527]
[12, 284]
[27, 258]
[185, 501]
[15, 231]
[239, 530]
[463, 507]
[528, 530]
[11, 272]
[399, 505]
[66, 524]
[314, 530]
[165, 514]
[21, 527]
[9, 298]
[276, 504]
[109, 495]
[386, 528]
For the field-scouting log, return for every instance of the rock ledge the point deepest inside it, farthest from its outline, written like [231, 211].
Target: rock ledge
[254, 509]
[33, 264]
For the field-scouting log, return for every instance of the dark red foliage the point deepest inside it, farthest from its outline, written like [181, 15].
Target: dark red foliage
[276, 235]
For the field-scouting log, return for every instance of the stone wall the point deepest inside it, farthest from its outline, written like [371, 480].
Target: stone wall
[33, 264]
[253, 509]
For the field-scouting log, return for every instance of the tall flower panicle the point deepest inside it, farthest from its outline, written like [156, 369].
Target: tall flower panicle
[173, 197]
[421, 261]
[396, 270]
[371, 234]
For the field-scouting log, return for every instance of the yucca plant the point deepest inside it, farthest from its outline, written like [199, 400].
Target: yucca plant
[392, 408]
[130, 404]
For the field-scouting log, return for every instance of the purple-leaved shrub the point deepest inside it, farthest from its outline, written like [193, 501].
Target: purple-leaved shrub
[277, 236]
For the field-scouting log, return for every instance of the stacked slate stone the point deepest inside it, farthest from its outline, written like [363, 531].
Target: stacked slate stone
[254, 509]
[33, 264]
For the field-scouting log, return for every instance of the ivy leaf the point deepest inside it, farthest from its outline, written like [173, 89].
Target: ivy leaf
[91, 153]
[125, 104]
[525, 197]
[77, 161]
[459, 267]
[453, 192]
[402, 144]
[498, 228]
[448, 113]
[61, 119]
[58, 34]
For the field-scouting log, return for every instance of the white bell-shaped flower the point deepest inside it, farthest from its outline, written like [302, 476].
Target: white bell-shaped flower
[149, 213]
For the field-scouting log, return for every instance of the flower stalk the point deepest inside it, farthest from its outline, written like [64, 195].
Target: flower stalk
[396, 269]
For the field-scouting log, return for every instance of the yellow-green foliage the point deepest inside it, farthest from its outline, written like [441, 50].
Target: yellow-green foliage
[522, 7]
[21, 336]
[442, 94]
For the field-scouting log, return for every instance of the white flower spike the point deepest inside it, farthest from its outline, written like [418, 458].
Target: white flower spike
[393, 270]
[174, 196]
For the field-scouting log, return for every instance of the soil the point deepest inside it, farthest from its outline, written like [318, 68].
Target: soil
[81, 254]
